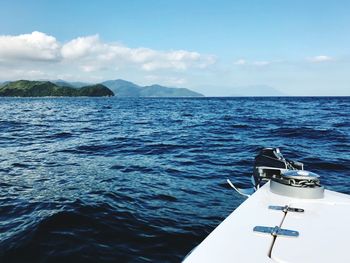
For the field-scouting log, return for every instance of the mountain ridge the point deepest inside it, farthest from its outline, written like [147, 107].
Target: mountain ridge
[27, 88]
[124, 88]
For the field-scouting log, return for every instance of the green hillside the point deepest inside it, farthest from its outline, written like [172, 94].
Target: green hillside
[26, 88]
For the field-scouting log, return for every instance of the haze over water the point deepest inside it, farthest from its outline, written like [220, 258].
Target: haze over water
[144, 180]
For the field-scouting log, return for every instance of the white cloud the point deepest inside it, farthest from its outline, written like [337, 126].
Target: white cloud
[80, 47]
[30, 74]
[261, 63]
[36, 46]
[321, 58]
[240, 62]
[89, 68]
[83, 55]
[91, 48]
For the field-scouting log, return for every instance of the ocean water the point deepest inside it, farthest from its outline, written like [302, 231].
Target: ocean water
[143, 180]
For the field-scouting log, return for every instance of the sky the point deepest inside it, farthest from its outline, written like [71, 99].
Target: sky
[213, 47]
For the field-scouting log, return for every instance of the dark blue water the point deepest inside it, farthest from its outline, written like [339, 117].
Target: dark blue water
[143, 180]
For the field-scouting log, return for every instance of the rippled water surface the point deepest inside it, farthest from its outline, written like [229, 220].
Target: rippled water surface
[143, 180]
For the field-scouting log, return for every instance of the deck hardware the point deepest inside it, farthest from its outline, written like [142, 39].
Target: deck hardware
[286, 208]
[276, 231]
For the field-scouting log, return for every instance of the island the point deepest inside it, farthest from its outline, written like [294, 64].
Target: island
[62, 88]
[27, 88]
[123, 88]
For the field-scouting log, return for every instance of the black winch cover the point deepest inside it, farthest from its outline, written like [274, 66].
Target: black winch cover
[269, 163]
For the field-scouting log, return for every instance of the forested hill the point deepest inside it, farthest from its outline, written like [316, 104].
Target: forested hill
[26, 88]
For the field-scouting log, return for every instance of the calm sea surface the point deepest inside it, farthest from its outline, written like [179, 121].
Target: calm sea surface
[143, 180]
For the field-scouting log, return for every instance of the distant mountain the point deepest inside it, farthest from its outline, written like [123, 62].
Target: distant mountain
[73, 84]
[161, 91]
[123, 88]
[255, 91]
[62, 83]
[26, 88]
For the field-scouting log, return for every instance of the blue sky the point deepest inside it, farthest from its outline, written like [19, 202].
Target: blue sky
[296, 47]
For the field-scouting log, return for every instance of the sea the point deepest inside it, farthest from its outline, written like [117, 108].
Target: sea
[144, 179]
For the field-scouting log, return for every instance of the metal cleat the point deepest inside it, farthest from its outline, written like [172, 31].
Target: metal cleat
[276, 231]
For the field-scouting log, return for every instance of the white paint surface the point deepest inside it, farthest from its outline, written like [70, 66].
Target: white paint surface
[324, 231]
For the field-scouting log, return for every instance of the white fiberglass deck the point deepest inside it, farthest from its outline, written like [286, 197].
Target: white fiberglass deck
[324, 231]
